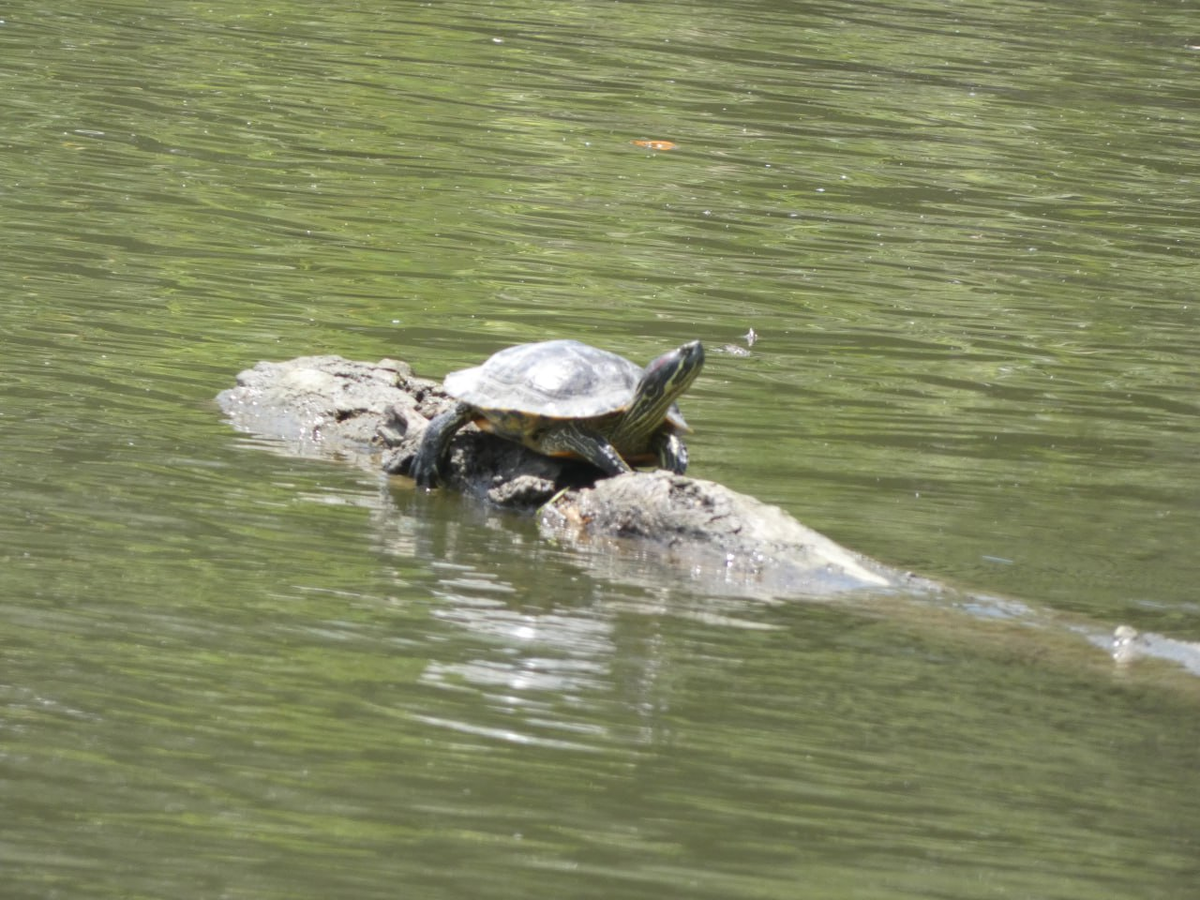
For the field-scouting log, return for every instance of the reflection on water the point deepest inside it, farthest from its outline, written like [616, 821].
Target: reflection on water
[440, 718]
[964, 236]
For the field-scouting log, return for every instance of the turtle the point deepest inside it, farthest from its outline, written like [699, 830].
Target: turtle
[569, 399]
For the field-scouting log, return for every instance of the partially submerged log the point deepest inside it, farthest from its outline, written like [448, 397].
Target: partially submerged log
[378, 413]
[712, 537]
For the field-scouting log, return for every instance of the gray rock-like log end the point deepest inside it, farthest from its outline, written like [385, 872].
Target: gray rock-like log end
[324, 400]
[714, 535]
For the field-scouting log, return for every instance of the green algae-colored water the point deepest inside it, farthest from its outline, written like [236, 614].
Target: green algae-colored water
[966, 235]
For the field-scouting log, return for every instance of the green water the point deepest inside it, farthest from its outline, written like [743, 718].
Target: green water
[966, 235]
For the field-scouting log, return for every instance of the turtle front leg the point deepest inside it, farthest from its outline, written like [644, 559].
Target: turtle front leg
[426, 466]
[596, 449]
[672, 452]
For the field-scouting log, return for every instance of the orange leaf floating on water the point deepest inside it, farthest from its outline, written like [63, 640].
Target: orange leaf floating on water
[656, 145]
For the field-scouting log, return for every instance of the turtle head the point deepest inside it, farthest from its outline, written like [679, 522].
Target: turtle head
[663, 381]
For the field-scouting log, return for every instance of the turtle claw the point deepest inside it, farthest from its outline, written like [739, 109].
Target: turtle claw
[672, 454]
[424, 470]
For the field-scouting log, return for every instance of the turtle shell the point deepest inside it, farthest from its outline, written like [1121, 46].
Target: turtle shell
[552, 380]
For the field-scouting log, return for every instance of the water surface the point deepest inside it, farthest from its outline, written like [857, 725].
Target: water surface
[966, 236]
